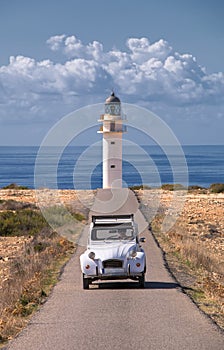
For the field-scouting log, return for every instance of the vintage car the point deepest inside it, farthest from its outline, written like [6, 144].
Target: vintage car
[114, 251]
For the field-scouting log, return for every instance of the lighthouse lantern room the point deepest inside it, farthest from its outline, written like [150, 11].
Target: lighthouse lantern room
[112, 129]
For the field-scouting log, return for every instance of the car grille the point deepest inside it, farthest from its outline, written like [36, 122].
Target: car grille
[112, 263]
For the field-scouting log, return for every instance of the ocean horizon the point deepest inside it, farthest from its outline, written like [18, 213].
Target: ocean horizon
[80, 167]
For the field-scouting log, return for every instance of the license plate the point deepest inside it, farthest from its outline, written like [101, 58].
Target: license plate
[113, 271]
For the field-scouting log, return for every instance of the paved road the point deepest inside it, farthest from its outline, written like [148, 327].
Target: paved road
[119, 315]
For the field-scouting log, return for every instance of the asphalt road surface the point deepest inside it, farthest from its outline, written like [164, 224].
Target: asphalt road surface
[119, 315]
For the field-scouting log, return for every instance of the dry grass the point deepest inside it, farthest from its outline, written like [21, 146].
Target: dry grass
[194, 247]
[31, 253]
[28, 278]
[196, 252]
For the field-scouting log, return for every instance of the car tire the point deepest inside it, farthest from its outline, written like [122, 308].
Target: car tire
[85, 283]
[142, 280]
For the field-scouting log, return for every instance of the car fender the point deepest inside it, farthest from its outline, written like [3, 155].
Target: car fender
[88, 266]
[137, 264]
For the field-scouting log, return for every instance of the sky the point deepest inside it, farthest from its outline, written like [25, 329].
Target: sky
[57, 56]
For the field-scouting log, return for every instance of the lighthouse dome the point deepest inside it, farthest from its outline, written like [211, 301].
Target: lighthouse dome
[112, 99]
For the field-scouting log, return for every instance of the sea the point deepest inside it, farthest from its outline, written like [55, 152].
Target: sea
[80, 167]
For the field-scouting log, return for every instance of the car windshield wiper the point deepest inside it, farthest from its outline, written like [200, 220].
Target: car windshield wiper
[111, 237]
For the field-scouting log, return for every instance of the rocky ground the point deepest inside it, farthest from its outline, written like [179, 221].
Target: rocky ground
[13, 247]
[80, 200]
[196, 232]
[201, 216]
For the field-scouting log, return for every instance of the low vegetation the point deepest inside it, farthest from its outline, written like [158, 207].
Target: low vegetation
[11, 204]
[58, 216]
[199, 271]
[217, 188]
[31, 276]
[214, 188]
[172, 187]
[32, 253]
[14, 186]
[31, 258]
[201, 267]
[193, 246]
[21, 222]
[140, 187]
[197, 189]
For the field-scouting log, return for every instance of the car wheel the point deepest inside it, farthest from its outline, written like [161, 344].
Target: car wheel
[142, 280]
[85, 283]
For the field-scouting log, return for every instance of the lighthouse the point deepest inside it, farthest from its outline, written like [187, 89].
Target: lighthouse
[112, 129]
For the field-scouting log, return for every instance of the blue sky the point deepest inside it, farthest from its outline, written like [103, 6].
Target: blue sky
[167, 56]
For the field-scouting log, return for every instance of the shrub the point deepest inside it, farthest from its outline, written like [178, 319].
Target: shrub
[78, 216]
[30, 222]
[217, 188]
[10, 204]
[196, 187]
[58, 216]
[40, 246]
[172, 187]
[20, 223]
[14, 186]
[139, 187]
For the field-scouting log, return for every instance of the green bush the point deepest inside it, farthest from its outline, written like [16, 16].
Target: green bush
[22, 222]
[217, 188]
[58, 216]
[78, 216]
[30, 222]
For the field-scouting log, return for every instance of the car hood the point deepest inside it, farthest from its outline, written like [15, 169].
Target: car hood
[112, 251]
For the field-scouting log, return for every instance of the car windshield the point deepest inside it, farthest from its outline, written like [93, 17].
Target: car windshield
[112, 233]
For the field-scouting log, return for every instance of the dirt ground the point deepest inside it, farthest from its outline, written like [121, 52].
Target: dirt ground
[199, 223]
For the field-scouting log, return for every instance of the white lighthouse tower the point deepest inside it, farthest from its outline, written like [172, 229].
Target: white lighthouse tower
[112, 130]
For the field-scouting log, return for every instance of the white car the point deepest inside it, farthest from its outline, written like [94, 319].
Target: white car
[113, 251]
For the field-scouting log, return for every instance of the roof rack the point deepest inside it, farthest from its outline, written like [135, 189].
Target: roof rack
[110, 219]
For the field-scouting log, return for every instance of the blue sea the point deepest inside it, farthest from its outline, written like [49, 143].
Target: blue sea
[80, 167]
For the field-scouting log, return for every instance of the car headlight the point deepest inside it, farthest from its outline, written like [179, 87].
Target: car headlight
[92, 255]
[132, 253]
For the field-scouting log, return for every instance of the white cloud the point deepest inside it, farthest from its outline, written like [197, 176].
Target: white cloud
[142, 50]
[73, 47]
[56, 42]
[144, 72]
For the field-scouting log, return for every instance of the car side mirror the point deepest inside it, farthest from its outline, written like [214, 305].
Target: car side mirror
[142, 240]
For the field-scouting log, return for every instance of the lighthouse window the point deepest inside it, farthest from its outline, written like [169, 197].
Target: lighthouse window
[112, 126]
[112, 109]
[112, 166]
[112, 143]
